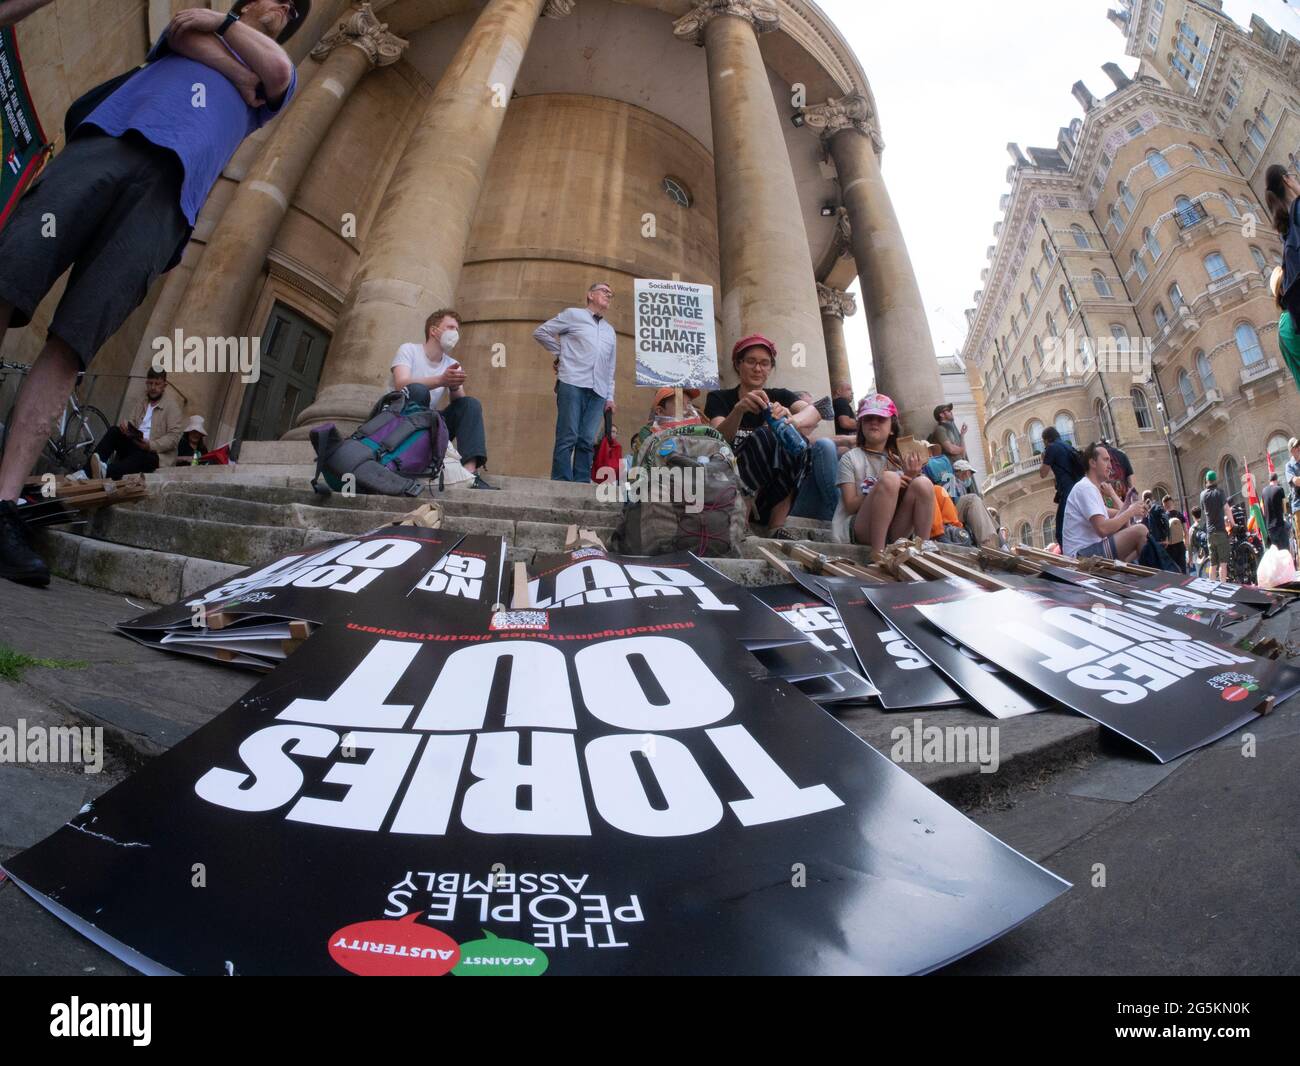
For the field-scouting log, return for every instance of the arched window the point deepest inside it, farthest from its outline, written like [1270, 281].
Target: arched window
[1036, 437]
[1115, 220]
[1159, 165]
[1038, 350]
[1256, 135]
[1185, 389]
[1038, 282]
[1065, 426]
[1127, 197]
[1013, 448]
[1222, 163]
[1015, 327]
[1024, 304]
[1186, 211]
[1024, 365]
[1104, 427]
[1200, 156]
[1231, 477]
[1066, 302]
[1139, 267]
[1047, 254]
[1080, 238]
[1027, 534]
[1176, 296]
[1118, 331]
[1279, 453]
[1268, 122]
[1100, 284]
[1205, 372]
[1153, 245]
[1248, 344]
[1216, 266]
[1230, 203]
[1260, 260]
[1161, 318]
[1141, 409]
[1051, 325]
[1049, 530]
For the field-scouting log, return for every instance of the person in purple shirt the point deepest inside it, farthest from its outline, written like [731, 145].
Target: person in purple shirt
[117, 205]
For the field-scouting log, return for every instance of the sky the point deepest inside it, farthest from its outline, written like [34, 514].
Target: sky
[972, 77]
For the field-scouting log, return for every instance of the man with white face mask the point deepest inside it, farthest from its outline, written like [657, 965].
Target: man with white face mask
[431, 364]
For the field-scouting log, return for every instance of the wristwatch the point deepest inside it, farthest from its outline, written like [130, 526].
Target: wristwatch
[231, 19]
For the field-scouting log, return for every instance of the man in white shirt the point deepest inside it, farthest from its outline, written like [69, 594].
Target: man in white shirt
[141, 444]
[584, 345]
[1089, 527]
[430, 364]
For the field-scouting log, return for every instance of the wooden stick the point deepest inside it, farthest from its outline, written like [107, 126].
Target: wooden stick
[776, 560]
[520, 598]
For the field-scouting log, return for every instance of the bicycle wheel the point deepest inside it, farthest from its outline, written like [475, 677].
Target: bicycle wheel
[85, 428]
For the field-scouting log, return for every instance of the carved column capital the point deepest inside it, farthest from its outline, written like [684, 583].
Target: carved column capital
[836, 302]
[558, 9]
[761, 14]
[852, 112]
[361, 29]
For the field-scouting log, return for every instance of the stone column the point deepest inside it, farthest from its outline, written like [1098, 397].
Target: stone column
[835, 306]
[767, 273]
[219, 295]
[902, 349]
[412, 258]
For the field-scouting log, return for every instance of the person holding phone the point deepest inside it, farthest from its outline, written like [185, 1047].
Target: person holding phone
[142, 443]
[1090, 526]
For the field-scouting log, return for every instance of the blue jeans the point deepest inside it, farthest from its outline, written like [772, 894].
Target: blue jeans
[819, 494]
[577, 421]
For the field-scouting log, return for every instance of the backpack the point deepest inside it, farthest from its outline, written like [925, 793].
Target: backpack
[1158, 524]
[403, 438]
[654, 526]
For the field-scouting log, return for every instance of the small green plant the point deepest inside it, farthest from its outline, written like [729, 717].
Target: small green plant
[13, 663]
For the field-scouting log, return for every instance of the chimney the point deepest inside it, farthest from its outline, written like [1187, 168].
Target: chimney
[1116, 75]
[1086, 100]
[1017, 156]
[1120, 18]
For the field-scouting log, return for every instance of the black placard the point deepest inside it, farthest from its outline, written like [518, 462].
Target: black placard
[1167, 684]
[602, 791]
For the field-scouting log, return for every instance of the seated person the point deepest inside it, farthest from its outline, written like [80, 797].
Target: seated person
[193, 443]
[945, 514]
[141, 444]
[939, 469]
[773, 457]
[882, 496]
[664, 415]
[975, 517]
[430, 364]
[1092, 528]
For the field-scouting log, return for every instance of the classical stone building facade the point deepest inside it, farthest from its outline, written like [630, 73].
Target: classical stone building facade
[1139, 249]
[500, 156]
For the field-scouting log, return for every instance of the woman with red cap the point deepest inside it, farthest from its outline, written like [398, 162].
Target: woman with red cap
[882, 496]
[766, 427]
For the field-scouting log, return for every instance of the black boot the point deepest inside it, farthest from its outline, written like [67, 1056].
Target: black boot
[17, 560]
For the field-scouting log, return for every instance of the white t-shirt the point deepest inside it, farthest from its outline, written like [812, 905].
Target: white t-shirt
[855, 467]
[414, 356]
[1076, 527]
[146, 423]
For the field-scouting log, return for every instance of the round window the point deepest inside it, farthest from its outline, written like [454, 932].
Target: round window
[677, 191]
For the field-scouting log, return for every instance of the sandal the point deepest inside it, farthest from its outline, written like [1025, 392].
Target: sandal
[780, 533]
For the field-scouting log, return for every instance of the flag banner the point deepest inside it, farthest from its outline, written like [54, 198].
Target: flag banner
[589, 576]
[23, 147]
[606, 791]
[821, 626]
[1168, 685]
[675, 336]
[905, 678]
[391, 573]
[1001, 694]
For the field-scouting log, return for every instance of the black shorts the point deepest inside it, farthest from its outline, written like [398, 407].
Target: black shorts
[109, 207]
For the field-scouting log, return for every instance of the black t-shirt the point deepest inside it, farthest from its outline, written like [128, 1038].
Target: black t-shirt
[1065, 465]
[1212, 501]
[843, 409]
[1271, 498]
[720, 403]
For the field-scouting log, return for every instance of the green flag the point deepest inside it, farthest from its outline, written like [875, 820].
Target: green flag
[23, 148]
